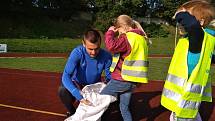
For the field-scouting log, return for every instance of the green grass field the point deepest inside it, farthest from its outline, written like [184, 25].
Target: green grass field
[63, 45]
[35, 64]
[157, 70]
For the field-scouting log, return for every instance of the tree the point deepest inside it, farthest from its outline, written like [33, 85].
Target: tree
[108, 10]
[12, 7]
[58, 8]
[166, 8]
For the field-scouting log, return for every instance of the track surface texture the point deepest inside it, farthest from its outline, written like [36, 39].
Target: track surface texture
[32, 96]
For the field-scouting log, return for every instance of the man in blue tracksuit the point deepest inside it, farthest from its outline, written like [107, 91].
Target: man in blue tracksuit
[84, 66]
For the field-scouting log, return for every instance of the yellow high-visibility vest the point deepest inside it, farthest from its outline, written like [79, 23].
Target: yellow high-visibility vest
[135, 65]
[181, 94]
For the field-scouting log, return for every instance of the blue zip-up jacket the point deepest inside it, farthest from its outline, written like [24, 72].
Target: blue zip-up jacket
[85, 70]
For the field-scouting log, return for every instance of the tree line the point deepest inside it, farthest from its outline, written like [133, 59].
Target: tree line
[99, 8]
[103, 11]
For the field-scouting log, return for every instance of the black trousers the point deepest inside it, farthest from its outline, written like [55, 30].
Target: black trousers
[67, 99]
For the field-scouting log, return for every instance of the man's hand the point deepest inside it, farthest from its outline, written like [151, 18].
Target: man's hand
[86, 102]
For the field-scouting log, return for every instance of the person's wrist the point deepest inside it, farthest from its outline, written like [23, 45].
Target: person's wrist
[77, 94]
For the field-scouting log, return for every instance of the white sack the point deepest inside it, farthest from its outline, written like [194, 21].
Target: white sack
[99, 104]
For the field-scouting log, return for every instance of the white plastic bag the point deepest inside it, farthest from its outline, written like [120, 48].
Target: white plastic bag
[99, 104]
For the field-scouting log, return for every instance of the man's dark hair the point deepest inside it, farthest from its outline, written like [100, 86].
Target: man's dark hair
[92, 36]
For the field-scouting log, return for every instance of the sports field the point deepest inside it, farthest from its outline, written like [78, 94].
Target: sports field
[29, 82]
[32, 95]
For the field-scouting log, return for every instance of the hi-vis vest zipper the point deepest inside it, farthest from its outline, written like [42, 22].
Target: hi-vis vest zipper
[180, 94]
[135, 65]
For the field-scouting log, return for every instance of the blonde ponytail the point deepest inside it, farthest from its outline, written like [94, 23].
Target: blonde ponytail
[138, 26]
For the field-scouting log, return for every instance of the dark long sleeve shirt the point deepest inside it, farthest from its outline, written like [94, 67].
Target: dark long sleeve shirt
[195, 36]
[194, 30]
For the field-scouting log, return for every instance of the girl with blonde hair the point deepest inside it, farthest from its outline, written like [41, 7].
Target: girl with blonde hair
[130, 60]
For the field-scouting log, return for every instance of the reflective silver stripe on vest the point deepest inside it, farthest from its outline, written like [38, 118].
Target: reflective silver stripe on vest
[113, 65]
[189, 104]
[176, 97]
[170, 94]
[134, 73]
[136, 63]
[195, 88]
[208, 85]
[176, 80]
[207, 94]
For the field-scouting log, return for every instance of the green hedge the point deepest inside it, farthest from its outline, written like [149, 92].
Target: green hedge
[41, 28]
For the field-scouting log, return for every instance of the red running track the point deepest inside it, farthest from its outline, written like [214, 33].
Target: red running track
[36, 94]
[30, 90]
